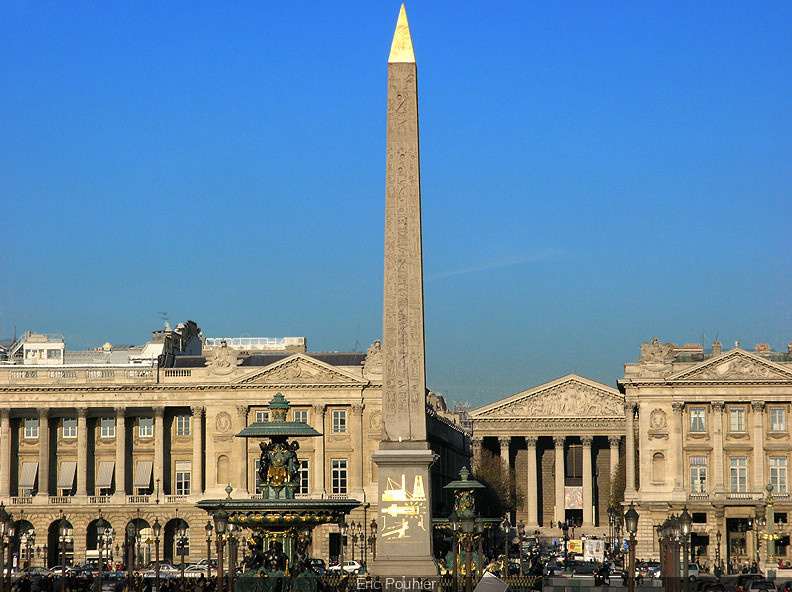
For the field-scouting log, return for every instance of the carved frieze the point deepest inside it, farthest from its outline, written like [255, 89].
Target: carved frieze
[572, 399]
[737, 366]
[298, 370]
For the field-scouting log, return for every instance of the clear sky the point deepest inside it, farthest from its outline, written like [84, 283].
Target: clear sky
[594, 174]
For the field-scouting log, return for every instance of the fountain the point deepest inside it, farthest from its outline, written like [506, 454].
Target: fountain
[281, 523]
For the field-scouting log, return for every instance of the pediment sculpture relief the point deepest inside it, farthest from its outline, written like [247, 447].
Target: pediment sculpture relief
[656, 352]
[296, 371]
[736, 368]
[570, 400]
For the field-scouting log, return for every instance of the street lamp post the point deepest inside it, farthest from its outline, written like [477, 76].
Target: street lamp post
[342, 528]
[718, 551]
[506, 525]
[101, 525]
[30, 540]
[220, 522]
[5, 518]
[480, 538]
[208, 528]
[685, 520]
[453, 520]
[232, 539]
[11, 532]
[130, 548]
[182, 533]
[521, 538]
[64, 529]
[157, 528]
[373, 538]
[631, 523]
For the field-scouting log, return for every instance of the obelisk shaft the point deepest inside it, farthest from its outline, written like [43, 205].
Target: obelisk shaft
[404, 372]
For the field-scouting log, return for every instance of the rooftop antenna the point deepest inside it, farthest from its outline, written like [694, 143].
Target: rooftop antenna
[164, 317]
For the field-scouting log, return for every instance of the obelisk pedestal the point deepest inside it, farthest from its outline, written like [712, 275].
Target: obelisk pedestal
[404, 541]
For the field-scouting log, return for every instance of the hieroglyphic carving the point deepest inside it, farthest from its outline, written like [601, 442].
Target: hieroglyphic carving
[404, 379]
[571, 399]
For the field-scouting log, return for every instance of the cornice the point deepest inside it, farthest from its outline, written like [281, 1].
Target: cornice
[170, 387]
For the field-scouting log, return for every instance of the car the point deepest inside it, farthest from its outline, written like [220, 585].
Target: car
[553, 570]
[743, 580]
[761, 586]
[350, 567]
[317, 565]
[693, 571]
[711, 587]
[113, 581]
[786, 587]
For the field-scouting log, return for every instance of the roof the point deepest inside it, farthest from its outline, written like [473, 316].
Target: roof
[267, 358]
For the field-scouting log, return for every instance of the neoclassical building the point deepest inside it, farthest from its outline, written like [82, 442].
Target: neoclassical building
[562, 440]
[140, 434]
[695, 429]
[713, 432]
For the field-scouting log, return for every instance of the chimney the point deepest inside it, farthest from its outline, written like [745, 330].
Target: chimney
[717, 348]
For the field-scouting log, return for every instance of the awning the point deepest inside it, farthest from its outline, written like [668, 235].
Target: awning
[104, 477]
[66, 477]
[183, 466]
[28, 478]
[143, 474]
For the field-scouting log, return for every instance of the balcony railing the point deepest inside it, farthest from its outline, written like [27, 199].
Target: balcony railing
[175, 499]
[60, 500]
[138, 499]
[698, 496]
[99, 499]
[19, 501]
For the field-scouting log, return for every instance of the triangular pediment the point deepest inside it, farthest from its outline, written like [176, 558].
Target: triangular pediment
[569, 396]
[300, 369]
[736, 364]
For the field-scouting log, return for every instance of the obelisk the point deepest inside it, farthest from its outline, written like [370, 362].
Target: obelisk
[404, 542]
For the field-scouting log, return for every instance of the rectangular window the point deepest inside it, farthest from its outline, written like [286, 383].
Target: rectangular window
[107, 427]
[262, 415]
[737, 419]
[146, 426]
[302, 478]
[697, 419]
[698, 474]
[778, 473]
[339, 421]
[259, 482]
[31, 427]
[339, 475]
[183, 470]
[301, 415]
[738, 470]
[777, 419]
[69, 427]
[53, 354]
[182, 425]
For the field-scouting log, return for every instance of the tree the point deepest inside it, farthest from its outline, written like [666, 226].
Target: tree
[502, 494]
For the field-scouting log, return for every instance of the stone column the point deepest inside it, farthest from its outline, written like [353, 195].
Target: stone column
[120, 453]
[677, 446]
[43, 468]
[196, 478]
[242, 451]
[758, 446]
[560, 506]
[357, 452]
[319, 452]
[475, 462]
[82, 451]
[159, 450]
[717, 446]
[504, 451]
[532, 493]
[629, 452]
[5, 452]
[614, 456]
[588, 482]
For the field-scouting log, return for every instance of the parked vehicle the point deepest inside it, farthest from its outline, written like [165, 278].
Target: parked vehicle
[317, 565]
[762, 586]
[350, 567]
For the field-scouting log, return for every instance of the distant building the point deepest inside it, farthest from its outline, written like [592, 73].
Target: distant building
[143, 432]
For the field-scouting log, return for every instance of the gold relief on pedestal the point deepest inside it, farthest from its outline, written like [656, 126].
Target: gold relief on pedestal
[403, 511]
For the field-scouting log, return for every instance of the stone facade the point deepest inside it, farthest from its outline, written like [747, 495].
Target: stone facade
[138, 441]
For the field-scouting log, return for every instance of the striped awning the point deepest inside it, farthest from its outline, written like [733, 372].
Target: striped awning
[143, 474]
[104, 477]
[66, 476]
[27, 480]
[183, 466]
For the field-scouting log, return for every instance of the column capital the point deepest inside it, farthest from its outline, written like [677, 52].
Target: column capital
[82, 412]
[757, 406]
[357, 409]
[197, 410]
[242, 410]
[559, 441]
[614, 441]
[477, 443]
[319, 409]
[504, 441]
[159, 411]
[678, 406]
[43, 412]
[718, 406]
[629, 407]
[587, 441]
[5, 414]
[531, 441]
[120, 411]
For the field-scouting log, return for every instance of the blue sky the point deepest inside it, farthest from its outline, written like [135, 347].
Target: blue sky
[594, 174]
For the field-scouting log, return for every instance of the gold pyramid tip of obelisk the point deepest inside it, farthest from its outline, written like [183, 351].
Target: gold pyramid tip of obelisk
[402, 49]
